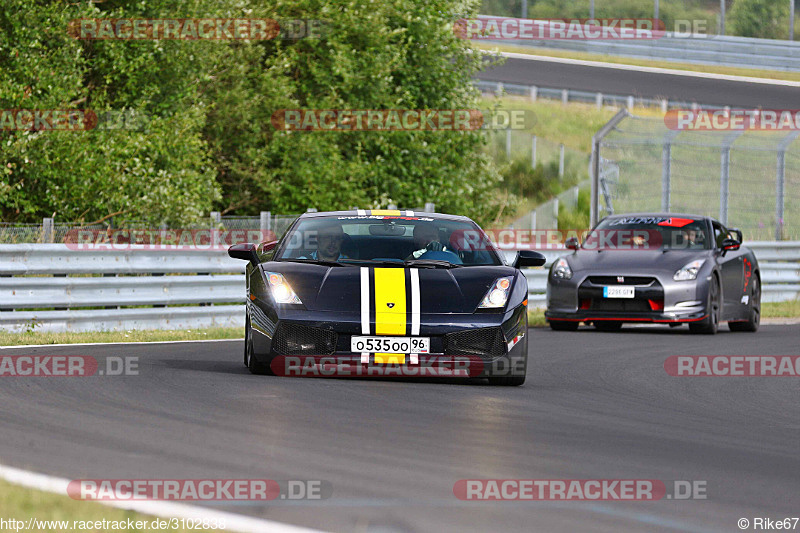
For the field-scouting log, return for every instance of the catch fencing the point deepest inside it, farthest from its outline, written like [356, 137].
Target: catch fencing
[50, 287]
[747, 179]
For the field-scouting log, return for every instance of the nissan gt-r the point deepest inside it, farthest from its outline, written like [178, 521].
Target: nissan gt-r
[656, 267]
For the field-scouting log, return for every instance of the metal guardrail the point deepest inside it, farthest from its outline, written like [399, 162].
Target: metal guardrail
[779, 263]
[724, 50]
[190, 289]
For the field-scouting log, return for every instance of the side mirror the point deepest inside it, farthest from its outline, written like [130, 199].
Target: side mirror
[572, 243]
[529, 258]
[730, 245]
[246, 251]
[268, 246]
[738, 233]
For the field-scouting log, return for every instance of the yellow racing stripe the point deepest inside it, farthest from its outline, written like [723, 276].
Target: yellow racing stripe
[390, 308]
[385, 212]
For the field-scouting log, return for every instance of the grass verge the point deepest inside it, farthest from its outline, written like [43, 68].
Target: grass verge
[22, 504]
[641, 62]
[43, 337]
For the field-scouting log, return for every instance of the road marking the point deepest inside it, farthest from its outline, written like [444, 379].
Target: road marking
[233, 521]
[652, 70]
[113, 343]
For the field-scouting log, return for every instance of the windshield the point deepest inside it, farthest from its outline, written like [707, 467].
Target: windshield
[649, 233]
[417, 240]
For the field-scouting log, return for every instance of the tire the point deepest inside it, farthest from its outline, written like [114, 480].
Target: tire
[608, 325]
[754, 320]
[563, 325]
[254, 366]
[710, 324]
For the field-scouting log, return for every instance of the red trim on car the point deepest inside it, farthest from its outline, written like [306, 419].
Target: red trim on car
[592, 319]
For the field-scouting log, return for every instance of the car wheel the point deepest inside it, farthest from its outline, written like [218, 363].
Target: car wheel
[254, 366]
[563, 325]
[710, 324]
[752, 323]
[608, 325]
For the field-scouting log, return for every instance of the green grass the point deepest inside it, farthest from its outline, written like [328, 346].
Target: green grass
[641, 62]
[41, 337]
[790, 309]
[20, 503]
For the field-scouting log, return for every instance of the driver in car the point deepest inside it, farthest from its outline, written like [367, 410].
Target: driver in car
[426, 239]
[329, 244]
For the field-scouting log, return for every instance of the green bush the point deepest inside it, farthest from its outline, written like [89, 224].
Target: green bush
[577, 218]
[766, 19]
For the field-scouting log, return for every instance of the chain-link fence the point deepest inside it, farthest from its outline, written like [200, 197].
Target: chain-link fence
[266, 225]
[746, 179]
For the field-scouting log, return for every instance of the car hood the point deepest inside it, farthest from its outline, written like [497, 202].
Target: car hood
[633, 261]
[338, 288]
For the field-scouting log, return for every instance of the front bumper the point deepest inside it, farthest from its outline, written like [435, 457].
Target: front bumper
[656, 299]
[447, 359]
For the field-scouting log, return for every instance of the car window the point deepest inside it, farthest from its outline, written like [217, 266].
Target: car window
[362, 238]
[643, 232]
[720, 233]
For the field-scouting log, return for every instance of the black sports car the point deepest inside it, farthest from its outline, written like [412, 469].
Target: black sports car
[665, 268]
[350, 291]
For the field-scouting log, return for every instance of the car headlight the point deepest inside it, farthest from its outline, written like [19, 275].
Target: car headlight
[281, 290]
[497, 296]
[689, 271]
[561, 269]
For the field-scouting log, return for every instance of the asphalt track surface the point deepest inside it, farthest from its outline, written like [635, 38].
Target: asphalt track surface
[544, 73]
[596, 406]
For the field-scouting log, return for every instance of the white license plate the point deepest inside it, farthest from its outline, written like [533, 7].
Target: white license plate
[620, 291]
[390, 344]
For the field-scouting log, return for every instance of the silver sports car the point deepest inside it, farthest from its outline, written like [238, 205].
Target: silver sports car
[656, 267]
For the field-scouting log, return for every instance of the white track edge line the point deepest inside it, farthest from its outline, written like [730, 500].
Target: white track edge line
[233, 522]
[111, 343]
[653, 70]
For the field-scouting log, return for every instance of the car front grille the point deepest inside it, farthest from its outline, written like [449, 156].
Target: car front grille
[297, 339]
[486, 343]
[620, 304]
[626, 280]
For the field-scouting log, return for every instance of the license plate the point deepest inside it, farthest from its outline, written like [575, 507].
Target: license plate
[620, 291]
[390, 344]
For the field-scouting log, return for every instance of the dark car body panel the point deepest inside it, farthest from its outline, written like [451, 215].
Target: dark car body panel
[331, 299]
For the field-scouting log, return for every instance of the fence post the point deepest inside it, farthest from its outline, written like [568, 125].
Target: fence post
[533, 152]
[560, 160]
[595, 162]
[724, 176]
[666, 171]
[780, 185]
[265, 223]
[508, 143]
[47, 230]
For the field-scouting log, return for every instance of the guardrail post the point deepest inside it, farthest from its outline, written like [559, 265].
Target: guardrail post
[533, 151]
[499, 90]
[560, 160]
[598, 100]
[564, 96]
[47, 230]
[508, 143]
[664, 105]
[534, 93]
[630, 102]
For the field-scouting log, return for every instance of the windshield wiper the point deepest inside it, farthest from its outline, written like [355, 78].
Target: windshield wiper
[431, 263]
